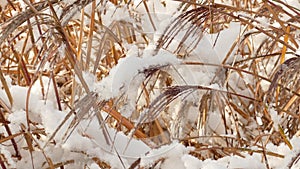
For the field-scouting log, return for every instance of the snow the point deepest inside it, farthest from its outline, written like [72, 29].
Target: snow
[216, 52]
[89, 78]
[275, 117]
[172, 154]
[93, 139]
[128, 73]
[7, 155]
[3, 4]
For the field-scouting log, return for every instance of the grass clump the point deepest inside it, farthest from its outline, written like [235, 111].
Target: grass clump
[242, 96]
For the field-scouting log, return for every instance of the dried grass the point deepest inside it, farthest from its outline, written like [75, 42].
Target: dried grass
[59, 32]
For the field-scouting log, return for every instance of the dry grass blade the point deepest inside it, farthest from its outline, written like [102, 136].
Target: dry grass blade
[56, 92]
[6, 88]
[2, 163]
[70, 53]
[2, 140]
[283, 95]
[29, 142]
[90, 35]
[122, 120]
[174, 92]
[236, 150]
[285, 139]
[290, 65]
[100, 163]
[70, 10]
[9, 26]
[52, 136]
[79, 46]
[135, 164]
[149, 15]
[15, 146]
[194, 22]
[286, 37]
[291, 101]
[61, 164]
[82, 108]
[23, 67]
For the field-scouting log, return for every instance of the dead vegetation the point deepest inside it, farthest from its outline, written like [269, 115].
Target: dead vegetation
[59, 40]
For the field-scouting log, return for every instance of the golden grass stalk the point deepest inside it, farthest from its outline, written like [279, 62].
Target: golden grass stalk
[123, 121]
[6, 88]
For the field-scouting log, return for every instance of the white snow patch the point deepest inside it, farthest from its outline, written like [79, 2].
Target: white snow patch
[125, 74]
[172, 154]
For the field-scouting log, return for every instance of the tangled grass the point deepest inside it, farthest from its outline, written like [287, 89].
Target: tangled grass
[258, 77]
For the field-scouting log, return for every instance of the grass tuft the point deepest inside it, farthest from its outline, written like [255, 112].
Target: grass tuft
[252, 92]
